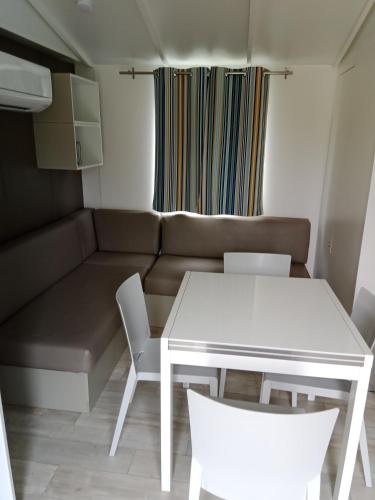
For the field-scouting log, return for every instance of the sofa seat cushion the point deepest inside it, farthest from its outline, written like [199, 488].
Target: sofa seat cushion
[129, 262]
[67, 327]
[166, 275]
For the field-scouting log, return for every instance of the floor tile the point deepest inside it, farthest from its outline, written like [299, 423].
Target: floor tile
[60, 455]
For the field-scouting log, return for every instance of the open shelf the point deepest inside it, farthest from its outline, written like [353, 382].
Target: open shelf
[85, 99]
[68, 133]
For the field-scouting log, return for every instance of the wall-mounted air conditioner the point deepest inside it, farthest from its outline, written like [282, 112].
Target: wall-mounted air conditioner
[24, 86]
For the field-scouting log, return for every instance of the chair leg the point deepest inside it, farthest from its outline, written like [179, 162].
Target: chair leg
[265, 392]
[365, 456]
[213, 387]
[311, 396]
[128, 393]
[294, 399]
[313, 489]
[223, 376]
[133, 392]
[195, 480]
[186, 385]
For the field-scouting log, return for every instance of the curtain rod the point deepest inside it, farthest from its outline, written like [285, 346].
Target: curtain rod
[286, 72]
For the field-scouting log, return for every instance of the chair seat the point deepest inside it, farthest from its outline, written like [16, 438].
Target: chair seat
[149, 362]
[339, 387]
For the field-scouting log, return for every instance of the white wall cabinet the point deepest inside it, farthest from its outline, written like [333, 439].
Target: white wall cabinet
[68, 134]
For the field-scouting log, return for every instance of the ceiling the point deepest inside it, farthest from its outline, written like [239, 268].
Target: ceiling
[207, 32]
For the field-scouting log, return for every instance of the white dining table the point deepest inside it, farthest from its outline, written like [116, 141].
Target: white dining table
[266, 324]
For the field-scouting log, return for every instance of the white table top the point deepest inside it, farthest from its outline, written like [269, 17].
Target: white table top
[273, 314]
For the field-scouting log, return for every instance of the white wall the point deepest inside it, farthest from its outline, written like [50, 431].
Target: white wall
[298, 124]
[366, 268]
[351, 157]
[298, 130]
[19, 17]
[127, 177]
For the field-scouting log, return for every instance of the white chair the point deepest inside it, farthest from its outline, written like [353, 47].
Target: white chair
[252, 453]
[363, 316]
[265, 264]
[145, 352]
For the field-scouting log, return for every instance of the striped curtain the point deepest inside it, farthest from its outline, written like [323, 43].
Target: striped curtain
[210, 132]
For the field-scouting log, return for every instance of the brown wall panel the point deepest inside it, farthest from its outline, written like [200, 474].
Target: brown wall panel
[29, 197]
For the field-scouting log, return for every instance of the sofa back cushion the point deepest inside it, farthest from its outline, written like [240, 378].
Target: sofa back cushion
[211, 236]
[34, 262]
[86, 231]
[127, 231]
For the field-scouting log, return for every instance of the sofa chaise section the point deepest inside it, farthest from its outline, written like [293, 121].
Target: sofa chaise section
[69, 326]
[60, 331]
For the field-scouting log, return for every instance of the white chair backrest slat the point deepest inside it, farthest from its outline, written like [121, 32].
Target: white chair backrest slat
[249, 454]
[363, 316]
[267, 264]
[131, 302]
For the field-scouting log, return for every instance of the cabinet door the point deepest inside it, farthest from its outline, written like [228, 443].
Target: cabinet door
[89, 146]
[55, 146]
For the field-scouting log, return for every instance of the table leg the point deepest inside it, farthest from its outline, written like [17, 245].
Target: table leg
[352, 430]
[166, 415]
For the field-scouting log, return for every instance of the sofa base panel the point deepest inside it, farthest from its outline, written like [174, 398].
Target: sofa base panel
[58, 390]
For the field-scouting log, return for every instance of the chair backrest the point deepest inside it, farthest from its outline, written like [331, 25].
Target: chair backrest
[131, 302]
[249, 454]
[363, 316]
[268, 264]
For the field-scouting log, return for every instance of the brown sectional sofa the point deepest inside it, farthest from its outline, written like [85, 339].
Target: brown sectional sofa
[57, 291]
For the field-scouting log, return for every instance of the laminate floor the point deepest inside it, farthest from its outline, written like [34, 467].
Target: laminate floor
[64, 455]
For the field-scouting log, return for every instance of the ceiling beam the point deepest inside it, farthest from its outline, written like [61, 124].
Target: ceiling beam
[354, 31]
[69, 41]
[146, 15]
[251, 29]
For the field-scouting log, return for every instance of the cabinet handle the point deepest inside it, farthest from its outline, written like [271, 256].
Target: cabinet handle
[79, 152]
